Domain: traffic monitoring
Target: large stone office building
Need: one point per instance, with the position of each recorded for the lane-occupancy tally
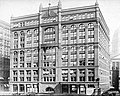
(4, 55)
(60, 50)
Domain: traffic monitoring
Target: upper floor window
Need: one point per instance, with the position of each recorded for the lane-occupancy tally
(73, 75)
(35, 32)
(64, 28)
(21, 53)
(90, 48)
(73, 28)
(51, 29)
(90, 25)
(90, 39)
(81, 26)
(91, 75)
(15, 35)
(82, 48)
(15, 53)
(22, 33)
(64, 74)
(15, 72)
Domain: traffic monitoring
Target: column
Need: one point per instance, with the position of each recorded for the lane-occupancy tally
(25, 42)
(86, 74)
(32, 74)
(69, 75)
(12, 41)
(18, 75)
(11, 65)
(58, 64)
(86, 47)
(78, 73)
(69, 88)
(11, 87)
(32, 37)
(25, 75)
(39, 47)
(25, 88)
(19, 39)
(59, 20)
(78, 89)
(18, 59)
(18, 91)
(69, 47)
(77, 45)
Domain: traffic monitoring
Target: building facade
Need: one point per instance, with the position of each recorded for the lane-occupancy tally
(60, 50)
(4, 55)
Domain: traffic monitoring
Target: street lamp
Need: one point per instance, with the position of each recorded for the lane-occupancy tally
(97, 80)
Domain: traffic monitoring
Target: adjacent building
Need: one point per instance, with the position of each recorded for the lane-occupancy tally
(115, 43)
(115, 72)
(4, 55)
(60, 50)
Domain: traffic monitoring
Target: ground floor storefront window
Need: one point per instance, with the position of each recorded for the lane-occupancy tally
(15, 88)
(74, 88)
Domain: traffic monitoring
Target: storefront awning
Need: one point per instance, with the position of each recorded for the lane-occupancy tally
(89, 91)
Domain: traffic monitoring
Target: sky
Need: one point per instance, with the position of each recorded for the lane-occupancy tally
(109, 8)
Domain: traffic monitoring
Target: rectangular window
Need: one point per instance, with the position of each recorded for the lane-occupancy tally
(22, 39)
(64, 74)
(82, 62)
(73, 75)
(81, 33)
(21, 65)
(81, 40)
(21, 58)
(91, 55)
(82, 75)
(82, 56)
(28, 64)
(15, 73)
(22, 88)
(65, 88)
(28, 78)
(90, 62)
(15, 88)
(22, 45)
(90, 32)
(35, 78)
(90, 48)
(14, 78)
(90, 39)
(21, 78)
(91, 75)
(28, 72)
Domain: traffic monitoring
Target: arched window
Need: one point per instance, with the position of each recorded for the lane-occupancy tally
(81, 26)
(64, 28)
(15, 35)
(35, 32)
(73, 27)
(50, 29)
(49, 89)
(90, 48)
(21, 52)
(90, 25)
(15, 53)
(22, 33)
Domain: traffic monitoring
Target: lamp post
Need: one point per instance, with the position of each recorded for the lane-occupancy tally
(97, 80)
